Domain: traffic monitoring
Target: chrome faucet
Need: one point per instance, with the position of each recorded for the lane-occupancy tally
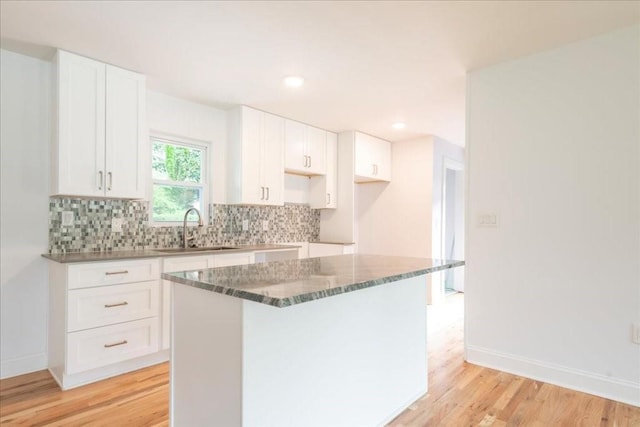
(186, 239)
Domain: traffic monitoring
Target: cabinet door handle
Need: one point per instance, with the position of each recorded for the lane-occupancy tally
(112, 273)
(328, 199)
(100, 175)
(267, 193)
(305, 161)
(110, 175)
(116, 305)
(123, 342)
(262, 196)
(309, 161)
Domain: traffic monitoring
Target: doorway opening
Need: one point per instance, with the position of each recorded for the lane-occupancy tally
(452, 225)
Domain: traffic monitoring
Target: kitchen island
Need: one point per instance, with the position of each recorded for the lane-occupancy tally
(337, 340)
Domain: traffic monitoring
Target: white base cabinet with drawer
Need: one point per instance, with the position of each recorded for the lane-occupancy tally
(104, 319)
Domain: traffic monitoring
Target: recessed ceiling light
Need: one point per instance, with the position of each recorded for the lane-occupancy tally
(293, 81)
(398, 125)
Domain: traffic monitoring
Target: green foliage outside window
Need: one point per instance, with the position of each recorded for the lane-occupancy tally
(175, 170)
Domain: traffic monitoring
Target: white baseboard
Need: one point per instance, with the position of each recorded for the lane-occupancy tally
(23, 365)
(610, 388)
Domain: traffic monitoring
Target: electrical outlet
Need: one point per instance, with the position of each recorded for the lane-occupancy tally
(245, 225)
(265, 225)
(67, 219)
(635, 333)
(116, 225)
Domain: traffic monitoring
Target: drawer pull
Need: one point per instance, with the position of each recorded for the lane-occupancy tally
(116, 305)
(111, 273)
(123, 342)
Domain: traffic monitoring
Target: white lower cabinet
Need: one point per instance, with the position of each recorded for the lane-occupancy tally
(328, 249)
(104, 319)
(97, 347)
(197, 262)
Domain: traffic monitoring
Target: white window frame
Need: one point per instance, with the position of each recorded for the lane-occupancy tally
(205, 147)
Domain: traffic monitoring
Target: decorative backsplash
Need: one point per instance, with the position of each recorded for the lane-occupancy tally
(92, 231)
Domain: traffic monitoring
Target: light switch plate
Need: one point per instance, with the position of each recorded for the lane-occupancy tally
(265, 225)
(245, 225)
(67, 219)
(488, 219)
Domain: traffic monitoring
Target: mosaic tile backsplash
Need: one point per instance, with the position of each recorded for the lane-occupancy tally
(91, 230)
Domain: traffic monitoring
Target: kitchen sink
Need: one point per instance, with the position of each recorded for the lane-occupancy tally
(201, 249)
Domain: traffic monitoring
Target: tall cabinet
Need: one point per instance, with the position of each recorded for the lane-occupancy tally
(100, 129)
(323, 190)
(256, 157)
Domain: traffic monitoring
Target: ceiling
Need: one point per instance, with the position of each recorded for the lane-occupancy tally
(366, 64)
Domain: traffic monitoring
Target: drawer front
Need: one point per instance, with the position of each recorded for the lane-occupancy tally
(107, 305)
(113, 273)
(98, 347)
(228, 260)
(171, 265)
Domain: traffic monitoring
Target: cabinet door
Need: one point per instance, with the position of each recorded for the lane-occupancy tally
(273, 160)
(295, 158)
(253, 191)
(332, 170)
(382, 159)
(79, 166)
(364, 164)
(316, 150)
(372, 159)
(125, 133)
(323, 189)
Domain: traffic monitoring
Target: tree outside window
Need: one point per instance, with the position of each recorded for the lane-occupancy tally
(178, 175)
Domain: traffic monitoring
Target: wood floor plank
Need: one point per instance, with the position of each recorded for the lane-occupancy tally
(460, 394)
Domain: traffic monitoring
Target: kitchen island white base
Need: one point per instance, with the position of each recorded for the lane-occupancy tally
(355, 359)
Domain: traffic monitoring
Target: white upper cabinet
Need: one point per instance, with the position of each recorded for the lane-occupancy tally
(256, 157)
(305, 149)
(323, 190)
(372, 159)
(100, 130)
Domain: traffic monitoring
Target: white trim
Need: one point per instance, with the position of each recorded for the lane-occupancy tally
(447, 164)
(206, 148)
(610, 388)
(23, 365)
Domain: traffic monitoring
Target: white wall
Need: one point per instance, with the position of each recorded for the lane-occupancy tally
(177, 117)
(24, 146)
(395, 218)
(554, 149)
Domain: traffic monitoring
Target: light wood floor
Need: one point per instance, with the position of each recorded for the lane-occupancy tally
(460, 394)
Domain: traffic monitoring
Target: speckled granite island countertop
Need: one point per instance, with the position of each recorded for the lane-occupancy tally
(287, 283)
(156, 253)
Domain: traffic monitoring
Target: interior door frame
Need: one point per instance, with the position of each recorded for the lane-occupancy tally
(447, 164)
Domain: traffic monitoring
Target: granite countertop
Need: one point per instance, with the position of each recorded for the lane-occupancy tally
(155, 253)
(286, 283)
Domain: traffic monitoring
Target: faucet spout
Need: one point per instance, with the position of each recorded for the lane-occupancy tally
(186, 239)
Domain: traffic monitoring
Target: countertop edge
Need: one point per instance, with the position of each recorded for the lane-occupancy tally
(83, 257)
(311, 296)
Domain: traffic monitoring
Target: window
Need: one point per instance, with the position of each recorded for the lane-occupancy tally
(179, 179)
